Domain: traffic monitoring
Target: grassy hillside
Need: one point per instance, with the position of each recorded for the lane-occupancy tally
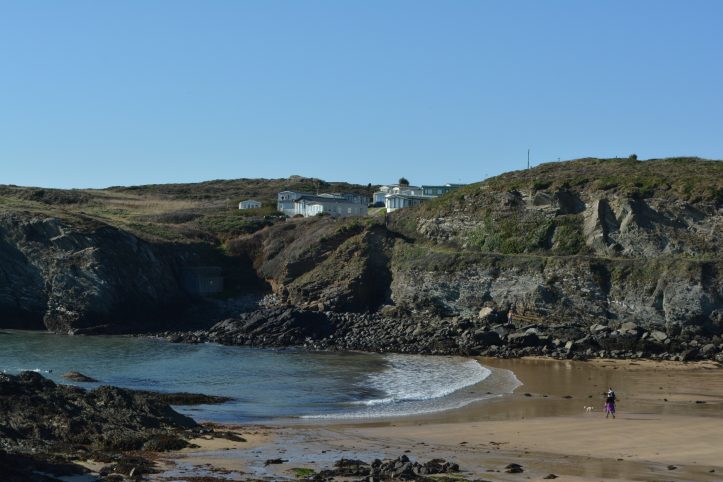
(684, 178)
(236, 190)
(205, 211)
(544, 209)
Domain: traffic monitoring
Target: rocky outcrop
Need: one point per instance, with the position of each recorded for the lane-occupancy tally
(615, 258)
(401, 468)
(491, 335)
(565, 247)
(323, 264)
(272, 327)
(38, 468)
(81, 276)
(675, 296)
(64, 279)
(78, 377)
(37, 413)
(599, 223)
(45, 428)
(651, 227)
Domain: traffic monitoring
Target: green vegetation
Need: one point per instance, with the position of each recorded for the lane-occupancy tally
(226, 224)
(154, 230)
(205, 211)
(234, 191)
(429, 257)
(512, 234)
(568, 237)
(302, 472)
(539, 210)
(689, 178)
(648, 272)
(345, 265)
(436, 258)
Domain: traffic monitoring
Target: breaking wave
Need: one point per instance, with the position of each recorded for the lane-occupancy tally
(416, 384)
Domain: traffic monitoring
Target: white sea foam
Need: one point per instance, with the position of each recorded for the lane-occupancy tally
(418, 378)
(415, 384)
(19, 370)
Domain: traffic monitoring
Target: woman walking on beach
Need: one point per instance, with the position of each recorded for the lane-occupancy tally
(610, 403)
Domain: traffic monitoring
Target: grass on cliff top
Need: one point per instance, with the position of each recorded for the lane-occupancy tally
(683, 178)
(237, 190)
(502, 226)
(203, 211)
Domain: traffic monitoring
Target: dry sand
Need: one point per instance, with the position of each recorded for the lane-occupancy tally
(662, 432)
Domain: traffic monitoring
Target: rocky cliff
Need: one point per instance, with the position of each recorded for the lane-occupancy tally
(589, 241)
(590, 256)
(80, 275)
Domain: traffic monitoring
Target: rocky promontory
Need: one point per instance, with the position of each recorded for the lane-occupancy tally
(36, 413)
(580, 259)
(45, 428)
(586, 258)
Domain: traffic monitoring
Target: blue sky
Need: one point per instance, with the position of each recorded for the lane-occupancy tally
(105, 93)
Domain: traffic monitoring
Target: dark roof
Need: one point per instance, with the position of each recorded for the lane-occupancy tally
(323, 199)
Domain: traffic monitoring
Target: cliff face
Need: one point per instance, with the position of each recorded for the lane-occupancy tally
(624, 253)
(633, 260)
(572, 243)
(61, 278)
(68, 276)
(568, 221)
(323, 264)
(668, 295)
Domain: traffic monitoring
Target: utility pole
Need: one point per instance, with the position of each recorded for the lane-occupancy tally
(528, 158)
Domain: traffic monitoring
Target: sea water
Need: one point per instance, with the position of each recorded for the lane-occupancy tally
(264, 384)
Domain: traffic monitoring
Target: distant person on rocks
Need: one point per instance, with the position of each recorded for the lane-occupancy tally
(509, 316)
(610, 400)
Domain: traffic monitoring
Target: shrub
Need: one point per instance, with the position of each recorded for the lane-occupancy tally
(568, 237)
(513, 234)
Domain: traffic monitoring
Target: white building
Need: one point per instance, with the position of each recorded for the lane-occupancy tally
(292, 203)
(398, 201)
(285, 201)
(380, 195)
(396, 196)
(249, 204)
(337, 206)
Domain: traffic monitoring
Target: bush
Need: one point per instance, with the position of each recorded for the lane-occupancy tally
(568, 238)
(512, 234)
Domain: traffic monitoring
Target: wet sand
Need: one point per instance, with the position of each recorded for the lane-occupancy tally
(669, 427)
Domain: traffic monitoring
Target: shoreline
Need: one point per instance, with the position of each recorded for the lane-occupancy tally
(669, 425)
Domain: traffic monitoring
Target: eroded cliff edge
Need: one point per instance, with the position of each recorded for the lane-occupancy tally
(74, 274)
(593, 257)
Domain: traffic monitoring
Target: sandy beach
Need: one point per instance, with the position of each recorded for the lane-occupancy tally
(669, 426)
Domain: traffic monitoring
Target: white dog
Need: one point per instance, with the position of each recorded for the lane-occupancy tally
(588, 409)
